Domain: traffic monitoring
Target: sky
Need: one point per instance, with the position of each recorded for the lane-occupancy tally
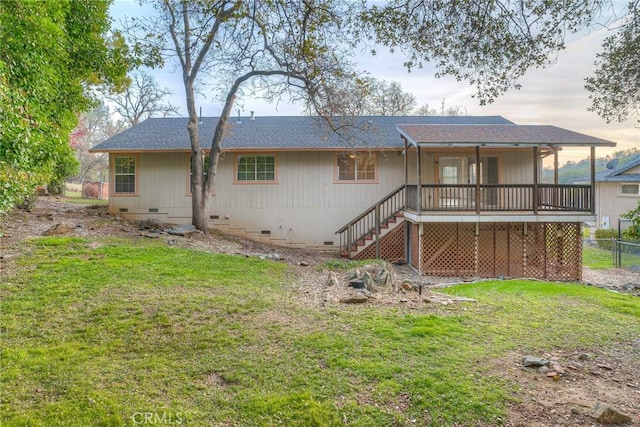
(554, 95)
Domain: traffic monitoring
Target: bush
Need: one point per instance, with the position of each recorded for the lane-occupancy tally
(604, 236)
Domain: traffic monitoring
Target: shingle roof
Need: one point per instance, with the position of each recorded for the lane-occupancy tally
(618, 175)
(496, 135)
(279, 132)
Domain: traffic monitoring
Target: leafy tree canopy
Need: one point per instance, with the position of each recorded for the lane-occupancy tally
(615, 86)
(489, 43)
(51, 50)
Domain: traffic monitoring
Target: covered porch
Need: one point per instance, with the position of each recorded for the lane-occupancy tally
(473, 204)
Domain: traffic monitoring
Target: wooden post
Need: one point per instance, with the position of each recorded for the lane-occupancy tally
(592, 198)
(555, 166)
(535, 180)
(478, 177)
(406, 161)
(419, 167)
(377, 227)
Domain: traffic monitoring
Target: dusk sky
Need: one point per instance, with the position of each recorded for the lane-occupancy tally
(551, 96)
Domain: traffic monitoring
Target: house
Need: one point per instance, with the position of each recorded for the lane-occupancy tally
(617, 192)
(452, 196)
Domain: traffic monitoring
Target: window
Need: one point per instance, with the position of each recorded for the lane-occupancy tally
(256, 168)
(125, 174)
(630, 189)
(356, 167)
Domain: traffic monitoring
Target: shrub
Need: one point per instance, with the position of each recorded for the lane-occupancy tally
(604, 236)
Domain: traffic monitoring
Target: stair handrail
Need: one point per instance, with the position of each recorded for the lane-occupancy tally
(372, 208)
(365, 230)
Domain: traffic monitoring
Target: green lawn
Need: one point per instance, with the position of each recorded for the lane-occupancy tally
(598, 258)
(139, 331)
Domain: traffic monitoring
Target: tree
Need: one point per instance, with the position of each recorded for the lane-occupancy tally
(633, 232)
(388, 99)
(50, 52)
(93, 127)
(615, 87)
(489, 43)
(453, 110)
(269, 48)
(142, 99)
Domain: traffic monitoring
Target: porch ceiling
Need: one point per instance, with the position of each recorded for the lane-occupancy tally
(497, 136)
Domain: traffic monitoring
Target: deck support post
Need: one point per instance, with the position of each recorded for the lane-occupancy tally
(535, 180)
(478, 178)
(419, 171)
(592, 201)
(377, 222)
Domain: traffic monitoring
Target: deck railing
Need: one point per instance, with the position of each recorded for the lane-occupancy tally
(500, 197)
(456, 198)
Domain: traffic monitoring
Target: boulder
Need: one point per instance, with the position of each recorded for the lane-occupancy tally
(354, 299)
(151, 224)
(182, 229)
(333, 280)
(607, 414)
(534, 362)
(58, 229)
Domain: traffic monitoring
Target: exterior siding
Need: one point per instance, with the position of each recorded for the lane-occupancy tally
(611, 203)
(306, 205)
(303, 207)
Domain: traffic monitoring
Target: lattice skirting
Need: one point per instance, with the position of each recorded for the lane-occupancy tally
(551, 251)
(391, 246)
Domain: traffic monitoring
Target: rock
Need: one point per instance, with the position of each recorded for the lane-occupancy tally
(629, 286)
(407, 285)
(555, 366)
(605, 367)
(543, 370)
(636, 345)
(182, 229)
(534, 362)
(333, 280)
(585, 356)
(356, 284)
(274, 256)
(553, 375)
(57, 230)
(606, 414)
(151, 224)
(383, 278)
(354, 299)
(367, 279)
(303, 263)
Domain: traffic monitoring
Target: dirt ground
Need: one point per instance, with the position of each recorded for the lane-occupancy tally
(588, 377)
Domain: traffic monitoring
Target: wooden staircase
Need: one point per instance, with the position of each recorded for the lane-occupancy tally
(373, 224)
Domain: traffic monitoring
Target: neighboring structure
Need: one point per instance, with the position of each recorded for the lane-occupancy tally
(455, 196)
(617, 192)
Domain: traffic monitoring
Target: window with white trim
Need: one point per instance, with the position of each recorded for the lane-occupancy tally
(256, 168)
(630, 189)
(124, 172)
(356, 167)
